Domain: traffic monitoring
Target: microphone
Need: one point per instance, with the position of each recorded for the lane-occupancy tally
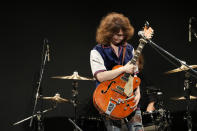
(195, 34)
(190, 27)
(48, 53)
(46, 41)
(141, 34)
(191, 31)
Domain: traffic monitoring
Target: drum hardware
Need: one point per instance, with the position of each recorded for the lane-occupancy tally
(96, 118)
(75, 77)
(56, 98)
(186, 68)
(38, 115)
(156, 120)
(74, 102)
(91, 122)
(187, 96)
(165, 118)
(151, 90)
(160, 118)
(76, 126)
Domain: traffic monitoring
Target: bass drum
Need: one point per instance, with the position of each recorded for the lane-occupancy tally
(91, 123)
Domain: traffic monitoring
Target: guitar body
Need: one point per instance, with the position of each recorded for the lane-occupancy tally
(114, 98)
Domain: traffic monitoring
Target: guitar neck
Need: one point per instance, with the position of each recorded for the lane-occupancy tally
(138, 51)
(133, 61)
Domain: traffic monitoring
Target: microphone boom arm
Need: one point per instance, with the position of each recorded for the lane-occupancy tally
(169, 54)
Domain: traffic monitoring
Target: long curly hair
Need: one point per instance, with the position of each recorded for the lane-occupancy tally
(141, 62)
(111, 24)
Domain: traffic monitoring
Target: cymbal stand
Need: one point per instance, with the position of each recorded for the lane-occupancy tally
(76, 126)
(75, 95)
(74, 101)
(187, 96)
(38, 115)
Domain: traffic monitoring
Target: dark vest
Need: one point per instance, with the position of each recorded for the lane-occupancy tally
(110, 58)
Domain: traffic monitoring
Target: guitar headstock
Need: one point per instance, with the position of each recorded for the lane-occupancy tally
(148, 31)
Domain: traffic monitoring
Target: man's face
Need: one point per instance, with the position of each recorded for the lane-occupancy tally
(117, 38)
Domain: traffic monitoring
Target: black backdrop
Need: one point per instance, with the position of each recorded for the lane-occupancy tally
(71, 29)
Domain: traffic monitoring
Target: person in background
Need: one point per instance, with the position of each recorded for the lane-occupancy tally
(148, 99)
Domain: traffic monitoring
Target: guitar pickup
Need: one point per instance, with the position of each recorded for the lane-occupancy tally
(119, 90)
(124, 78)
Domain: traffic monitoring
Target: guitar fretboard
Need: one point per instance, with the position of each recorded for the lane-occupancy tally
(136, 56)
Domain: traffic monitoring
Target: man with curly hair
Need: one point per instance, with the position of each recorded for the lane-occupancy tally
(113, 49)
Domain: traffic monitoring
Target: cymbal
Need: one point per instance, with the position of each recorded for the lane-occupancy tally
(74, 76)
(183, 98)
(182, 68)
(56, 98)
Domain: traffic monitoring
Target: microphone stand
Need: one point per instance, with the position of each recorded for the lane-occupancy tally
(45, 54)
(186, 88)
(172, 56)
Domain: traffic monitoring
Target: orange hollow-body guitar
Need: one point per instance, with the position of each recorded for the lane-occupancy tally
(111, 99)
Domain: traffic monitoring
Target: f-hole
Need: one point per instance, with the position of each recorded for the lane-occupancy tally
(107, 87)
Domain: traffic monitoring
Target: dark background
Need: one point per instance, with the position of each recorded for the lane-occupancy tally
(70, 28)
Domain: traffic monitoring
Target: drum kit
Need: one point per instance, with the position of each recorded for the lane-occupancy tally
(155, 120)
(160, 119)
(58, 99)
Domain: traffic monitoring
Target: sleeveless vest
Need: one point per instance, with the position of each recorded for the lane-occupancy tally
(111, 59)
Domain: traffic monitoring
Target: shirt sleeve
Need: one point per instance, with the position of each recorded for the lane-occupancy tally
(96, 62)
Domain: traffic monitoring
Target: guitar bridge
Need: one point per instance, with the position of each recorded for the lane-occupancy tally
(110, 108)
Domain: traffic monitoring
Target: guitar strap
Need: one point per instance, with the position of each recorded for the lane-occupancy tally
(124, 50)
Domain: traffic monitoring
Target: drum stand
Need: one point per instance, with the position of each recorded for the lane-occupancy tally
(38, 115)
(187, 96)
(74, 101)
(163, 121)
